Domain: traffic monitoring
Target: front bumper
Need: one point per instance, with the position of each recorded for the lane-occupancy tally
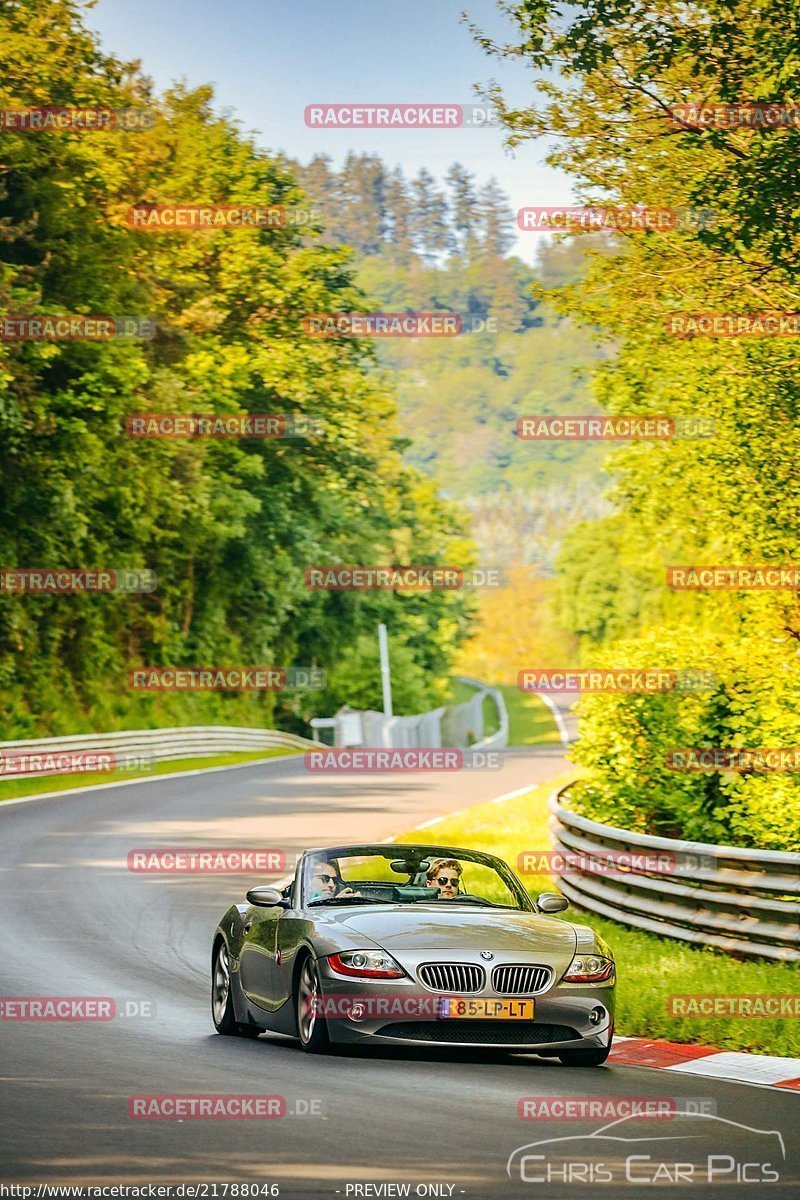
(402, 1011)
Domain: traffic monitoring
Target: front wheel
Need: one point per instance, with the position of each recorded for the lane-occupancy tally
(312, 1029)
(222, 1001)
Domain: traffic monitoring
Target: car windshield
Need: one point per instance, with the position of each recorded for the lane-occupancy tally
(409, 875)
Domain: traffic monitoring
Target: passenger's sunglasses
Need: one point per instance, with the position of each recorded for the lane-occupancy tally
(443, 881)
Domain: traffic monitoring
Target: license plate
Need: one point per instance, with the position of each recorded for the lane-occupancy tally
(460, 1008)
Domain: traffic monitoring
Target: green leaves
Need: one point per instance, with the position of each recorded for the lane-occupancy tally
(229, 526)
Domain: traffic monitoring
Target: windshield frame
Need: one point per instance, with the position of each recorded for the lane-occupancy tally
(394, 850)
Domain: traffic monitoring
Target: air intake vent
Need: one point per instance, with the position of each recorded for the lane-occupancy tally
(452, 977)
(520, 980)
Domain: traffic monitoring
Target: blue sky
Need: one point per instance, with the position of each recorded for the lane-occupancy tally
(268, 59)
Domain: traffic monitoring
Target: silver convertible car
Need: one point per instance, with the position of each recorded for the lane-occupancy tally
(413, 944)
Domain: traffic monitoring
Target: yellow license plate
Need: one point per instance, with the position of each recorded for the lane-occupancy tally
(461, 1008)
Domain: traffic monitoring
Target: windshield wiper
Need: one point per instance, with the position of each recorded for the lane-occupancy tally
(347, 900)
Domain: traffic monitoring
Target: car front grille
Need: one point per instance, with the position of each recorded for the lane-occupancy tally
(452, 977)
(480, 1033)
(518, 979)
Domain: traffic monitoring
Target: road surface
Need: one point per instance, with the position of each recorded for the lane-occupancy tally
(76, 922)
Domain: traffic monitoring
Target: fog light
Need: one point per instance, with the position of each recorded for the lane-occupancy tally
(357, 1012)
(597, 1014)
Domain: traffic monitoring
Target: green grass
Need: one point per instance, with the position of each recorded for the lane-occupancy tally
(530, 720)
(650, 968)
(11, 789)
(459, 693)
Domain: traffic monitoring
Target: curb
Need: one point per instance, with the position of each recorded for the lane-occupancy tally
(762, 1069)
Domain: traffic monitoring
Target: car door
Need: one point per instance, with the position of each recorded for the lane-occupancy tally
(257, 958)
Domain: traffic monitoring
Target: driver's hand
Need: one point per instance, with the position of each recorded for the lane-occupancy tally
(347, 891)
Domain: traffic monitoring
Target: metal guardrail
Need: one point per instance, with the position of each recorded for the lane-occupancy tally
(734, 898)
(148, 745)
(457, 725)
(499, 739)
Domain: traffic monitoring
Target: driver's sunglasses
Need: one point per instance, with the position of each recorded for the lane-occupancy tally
(443, 881)
(326, 879)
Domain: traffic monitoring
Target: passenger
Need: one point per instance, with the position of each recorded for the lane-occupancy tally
(327, 883)
(444, 874)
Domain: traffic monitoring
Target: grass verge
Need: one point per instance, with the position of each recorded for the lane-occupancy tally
(11, 789)
(530, 722)
(650, 968)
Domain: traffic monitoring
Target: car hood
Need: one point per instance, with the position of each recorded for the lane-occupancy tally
(423, 929)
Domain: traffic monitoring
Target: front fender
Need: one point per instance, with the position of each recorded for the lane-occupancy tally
(231, 928)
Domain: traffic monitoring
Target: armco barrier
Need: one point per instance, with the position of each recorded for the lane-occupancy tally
(459, 725)
(499, 739)
(190, 741)
(743, 901)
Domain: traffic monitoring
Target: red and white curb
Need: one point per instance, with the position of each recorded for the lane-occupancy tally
(707, 1060)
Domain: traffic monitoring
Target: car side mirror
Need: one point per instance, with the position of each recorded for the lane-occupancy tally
(551, 902)
(265, 897)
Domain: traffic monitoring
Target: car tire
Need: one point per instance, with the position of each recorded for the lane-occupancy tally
(587, 1058)
(222, 1012)
(312, 1028)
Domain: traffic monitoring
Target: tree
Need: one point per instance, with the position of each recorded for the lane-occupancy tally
(464, 209)
(497, 221)
(429, 217)
(610, 76)
(228, 526)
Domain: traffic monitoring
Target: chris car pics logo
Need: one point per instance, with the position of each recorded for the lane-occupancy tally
(698, 1149)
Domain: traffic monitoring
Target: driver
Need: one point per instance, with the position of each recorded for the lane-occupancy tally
(327, 883)
(444, 874)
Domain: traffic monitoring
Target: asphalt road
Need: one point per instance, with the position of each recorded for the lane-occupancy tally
(76, 922)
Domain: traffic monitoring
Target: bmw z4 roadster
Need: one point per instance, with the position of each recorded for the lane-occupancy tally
(417, 944)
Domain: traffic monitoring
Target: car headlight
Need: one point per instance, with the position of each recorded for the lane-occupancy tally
(589, 968)
(366, 964)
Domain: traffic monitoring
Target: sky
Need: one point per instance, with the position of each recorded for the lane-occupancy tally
(268, 59)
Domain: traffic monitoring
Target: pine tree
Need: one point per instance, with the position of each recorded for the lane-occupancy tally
(496, 220)
(464, 208)
(429, 218)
